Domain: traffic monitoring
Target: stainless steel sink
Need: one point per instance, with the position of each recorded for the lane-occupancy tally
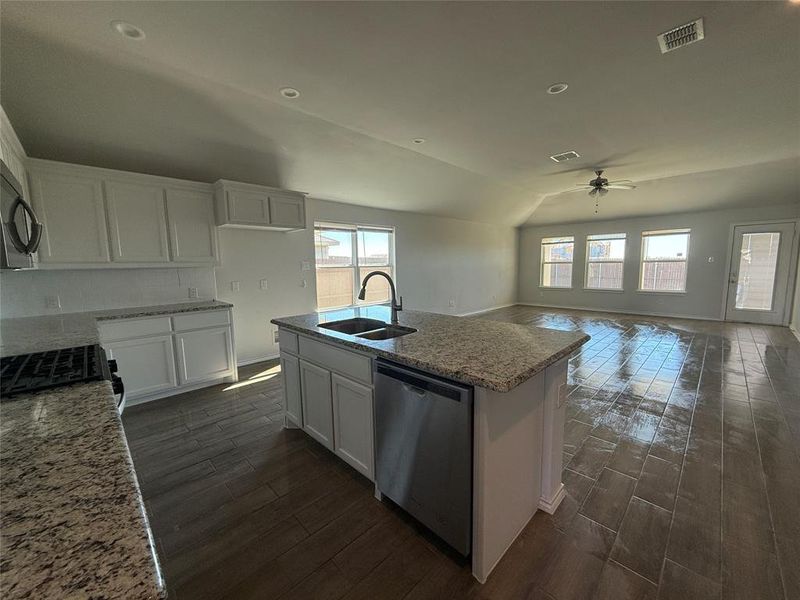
(354, 326)
(387, 333)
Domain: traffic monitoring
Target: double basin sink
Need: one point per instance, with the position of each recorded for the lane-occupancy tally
(368, 329)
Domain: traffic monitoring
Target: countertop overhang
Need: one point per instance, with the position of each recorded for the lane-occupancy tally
(490, 354)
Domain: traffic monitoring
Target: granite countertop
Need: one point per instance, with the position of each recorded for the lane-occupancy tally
(72, 520)
(51, 332)
(490, 354)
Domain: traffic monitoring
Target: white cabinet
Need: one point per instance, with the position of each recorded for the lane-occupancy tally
(146, 365)
(315, 384)
(99, 217)
(137, 221)
(352, 424)
(260, 207)
(286, 210)
(290, 367)
(192, 229)
(204, 354)
(328, 392)
(166, 354)
(72, 209)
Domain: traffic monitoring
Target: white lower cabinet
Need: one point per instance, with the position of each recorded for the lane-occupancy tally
(352, 424)
(327, 393)
(163, 355)
(290, 367)
(315, 384)
(204, 354)
(146, 365)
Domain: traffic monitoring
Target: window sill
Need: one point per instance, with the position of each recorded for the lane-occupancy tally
(662, 293)
(552, 287)
(612, 290)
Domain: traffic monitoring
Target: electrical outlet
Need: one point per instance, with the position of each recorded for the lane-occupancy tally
(711, 259)
(275, 336)
(305, 265)
(263, 284)
(52, 301)
(234, 286)
(452, 303)
(192, 292)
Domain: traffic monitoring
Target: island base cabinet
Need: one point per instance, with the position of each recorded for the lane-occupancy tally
(290, 367)
(315, 384)
(147, 365)
(352, 424)
(204, 355)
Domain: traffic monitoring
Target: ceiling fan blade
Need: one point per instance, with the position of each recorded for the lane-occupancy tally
(594, 191)
(620, 181)
(620, 186)
(603, 191)
(583, 186)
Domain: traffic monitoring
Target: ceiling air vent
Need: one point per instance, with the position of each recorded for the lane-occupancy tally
(681, 36)
(565, 156)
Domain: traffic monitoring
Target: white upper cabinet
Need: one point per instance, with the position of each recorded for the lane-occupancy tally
(94, 215)
(192, 228)
(258, 207)
(137, 221)
(71, 207)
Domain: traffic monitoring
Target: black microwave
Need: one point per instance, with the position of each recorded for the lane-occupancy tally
(21, 230)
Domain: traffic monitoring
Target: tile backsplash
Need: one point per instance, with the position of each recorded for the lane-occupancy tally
(26, 293)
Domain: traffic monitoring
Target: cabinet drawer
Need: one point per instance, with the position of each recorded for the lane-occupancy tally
(356, 366)
(133, 328)
(199, 320)
(287, 341)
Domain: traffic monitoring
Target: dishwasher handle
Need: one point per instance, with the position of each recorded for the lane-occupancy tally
(420, 384)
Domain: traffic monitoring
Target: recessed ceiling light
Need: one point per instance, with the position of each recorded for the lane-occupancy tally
(418, 140)
(557, 88)
(128, 30)
(289, 92)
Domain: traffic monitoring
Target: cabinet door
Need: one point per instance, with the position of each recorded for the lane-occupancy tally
(72, 210)
(137, 221)
(204, 354)
(248, 206)
(192, 230)
(287, 211)
(315, 383)
(146, 365)
(352, 424)
(290, 367)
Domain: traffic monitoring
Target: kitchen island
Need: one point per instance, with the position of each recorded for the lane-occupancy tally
(518, 378)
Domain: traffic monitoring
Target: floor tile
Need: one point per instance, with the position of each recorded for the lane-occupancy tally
(609, 498)
(642, 539)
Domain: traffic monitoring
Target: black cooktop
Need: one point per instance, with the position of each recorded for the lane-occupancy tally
(43, 370)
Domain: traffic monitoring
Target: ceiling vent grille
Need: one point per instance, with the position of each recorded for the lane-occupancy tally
(564, 156)
(681, 36)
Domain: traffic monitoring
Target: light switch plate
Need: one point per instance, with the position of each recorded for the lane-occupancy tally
(275, 336)
(192, 292)
(263, 284)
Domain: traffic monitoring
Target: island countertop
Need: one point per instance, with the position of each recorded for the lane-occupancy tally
(490, 354)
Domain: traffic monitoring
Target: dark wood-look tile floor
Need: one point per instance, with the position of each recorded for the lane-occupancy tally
(682, 466)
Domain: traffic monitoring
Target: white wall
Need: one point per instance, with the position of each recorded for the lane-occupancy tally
(23, 293)
(706, 281)
(437, 259)
(795, 324)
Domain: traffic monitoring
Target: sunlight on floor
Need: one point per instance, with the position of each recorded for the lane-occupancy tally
(257, 378)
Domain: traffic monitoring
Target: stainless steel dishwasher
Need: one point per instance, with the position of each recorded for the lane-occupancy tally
(423, 439)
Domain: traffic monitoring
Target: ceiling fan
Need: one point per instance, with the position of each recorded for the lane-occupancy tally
(601, 185)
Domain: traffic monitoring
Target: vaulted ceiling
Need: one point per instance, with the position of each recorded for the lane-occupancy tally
(715, 124)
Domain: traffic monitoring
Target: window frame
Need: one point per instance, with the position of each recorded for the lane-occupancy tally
(558, 239)
(354, 228)
(599, 237)
(642, 260)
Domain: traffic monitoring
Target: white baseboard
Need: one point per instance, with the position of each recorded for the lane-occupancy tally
(795, 332)
(175, 391)
(550, 505)
(250, 361)
(483, 310)
(622, 312)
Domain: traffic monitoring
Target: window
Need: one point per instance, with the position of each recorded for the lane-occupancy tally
(664, 255)
(605, 256)
(344, 255)
(557, 262)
